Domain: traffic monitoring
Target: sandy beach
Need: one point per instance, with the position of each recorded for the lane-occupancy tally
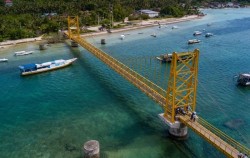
(137, 25)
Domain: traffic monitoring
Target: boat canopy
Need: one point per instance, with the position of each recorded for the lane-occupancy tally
(245, 75)
(28, 67)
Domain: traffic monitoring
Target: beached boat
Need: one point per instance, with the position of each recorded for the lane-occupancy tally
(193, 41)
(3, 60)
(29, 69)
(20, 53)
(243, 79)
(196, 33)
(208, 35)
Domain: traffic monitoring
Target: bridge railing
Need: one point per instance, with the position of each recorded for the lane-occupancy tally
(224, 136)
(122, 68)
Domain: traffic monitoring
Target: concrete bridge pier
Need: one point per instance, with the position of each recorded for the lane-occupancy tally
(74, 44)
(177, 129)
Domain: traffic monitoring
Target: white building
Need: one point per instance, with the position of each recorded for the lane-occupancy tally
(8, 3)
(150, 13)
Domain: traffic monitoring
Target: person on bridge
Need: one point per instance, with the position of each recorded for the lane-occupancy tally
(193, 116)
(240, 155)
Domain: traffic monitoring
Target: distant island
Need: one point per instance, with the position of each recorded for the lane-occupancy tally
(29, 18)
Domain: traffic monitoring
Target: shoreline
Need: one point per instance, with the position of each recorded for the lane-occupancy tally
(10, 43)
(139, 25)
(143, 24)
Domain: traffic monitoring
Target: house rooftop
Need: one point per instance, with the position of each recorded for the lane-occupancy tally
(148, 11)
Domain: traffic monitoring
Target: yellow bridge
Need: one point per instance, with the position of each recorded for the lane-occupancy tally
(180, 93)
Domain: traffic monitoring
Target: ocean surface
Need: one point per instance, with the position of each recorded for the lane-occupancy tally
(51, 115)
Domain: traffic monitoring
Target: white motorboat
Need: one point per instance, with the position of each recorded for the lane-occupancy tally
(122, 37)
(20, 53)
(3, 60)
(153, 35)
(193, 41)
(196, 33)
(29, 69)
(175, 27)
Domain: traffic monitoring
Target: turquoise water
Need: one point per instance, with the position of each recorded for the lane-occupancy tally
(53, 114)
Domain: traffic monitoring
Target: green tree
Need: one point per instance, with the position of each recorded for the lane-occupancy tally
(119, 13)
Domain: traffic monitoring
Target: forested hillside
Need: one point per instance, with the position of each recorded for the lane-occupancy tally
(30, 18)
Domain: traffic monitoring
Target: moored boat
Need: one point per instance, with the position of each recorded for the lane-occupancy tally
(243, 79)
(20, 53)
(193, 41)
(175, 27)
(196, 33)
(168, 58)
(165, 58)
(122, 37)
(3, 60)
(153, 35)
(208, 35)
(29, 69)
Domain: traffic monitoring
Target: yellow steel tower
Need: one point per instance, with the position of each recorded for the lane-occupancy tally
(182, 83)
(73, 27)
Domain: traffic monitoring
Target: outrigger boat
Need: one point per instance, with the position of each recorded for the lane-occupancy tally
(243, 79)
(29, 69)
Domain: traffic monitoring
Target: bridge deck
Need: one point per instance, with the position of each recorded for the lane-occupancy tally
(222, 142)
(213, 139)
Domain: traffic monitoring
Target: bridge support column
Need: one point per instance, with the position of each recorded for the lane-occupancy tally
(176, 129)
(74, 44)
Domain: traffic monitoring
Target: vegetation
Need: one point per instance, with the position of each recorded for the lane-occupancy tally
(30, 18)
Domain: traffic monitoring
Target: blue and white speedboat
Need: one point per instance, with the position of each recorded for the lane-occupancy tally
(29, 69)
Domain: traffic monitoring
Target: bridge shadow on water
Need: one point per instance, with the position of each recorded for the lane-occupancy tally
(144, 119)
